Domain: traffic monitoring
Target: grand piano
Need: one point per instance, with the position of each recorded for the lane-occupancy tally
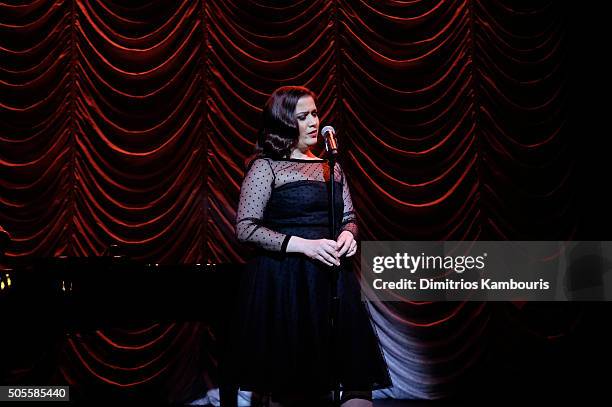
(76, 294)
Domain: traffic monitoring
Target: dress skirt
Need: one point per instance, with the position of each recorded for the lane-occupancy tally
(281, 335)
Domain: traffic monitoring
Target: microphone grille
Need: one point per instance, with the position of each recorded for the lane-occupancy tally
(326, 129)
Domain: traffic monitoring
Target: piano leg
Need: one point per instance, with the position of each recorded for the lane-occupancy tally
(228, 395)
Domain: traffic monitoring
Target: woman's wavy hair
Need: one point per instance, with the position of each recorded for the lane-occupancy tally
(279, 132)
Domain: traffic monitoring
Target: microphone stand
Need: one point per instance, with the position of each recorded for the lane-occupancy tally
(335, 274)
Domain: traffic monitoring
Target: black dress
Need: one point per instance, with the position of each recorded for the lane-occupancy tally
(281, 335)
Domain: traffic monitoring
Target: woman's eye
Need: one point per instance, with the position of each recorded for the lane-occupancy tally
(314, 114)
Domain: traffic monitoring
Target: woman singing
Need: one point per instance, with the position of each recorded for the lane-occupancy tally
(281, 342)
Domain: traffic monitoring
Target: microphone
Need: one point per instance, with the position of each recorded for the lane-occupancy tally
(329, 136)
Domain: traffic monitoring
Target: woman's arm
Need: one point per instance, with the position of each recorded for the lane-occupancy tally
(347, 238)
(349, 218)
(255, 192)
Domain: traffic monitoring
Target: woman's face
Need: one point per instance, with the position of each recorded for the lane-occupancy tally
(308, 122)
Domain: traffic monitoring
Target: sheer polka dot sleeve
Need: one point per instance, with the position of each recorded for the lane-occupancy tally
(254, 195)
(349, 218)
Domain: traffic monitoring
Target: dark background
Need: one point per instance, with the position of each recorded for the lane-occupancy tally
(84, 167)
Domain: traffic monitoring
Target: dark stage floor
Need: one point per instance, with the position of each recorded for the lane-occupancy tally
(415, 403)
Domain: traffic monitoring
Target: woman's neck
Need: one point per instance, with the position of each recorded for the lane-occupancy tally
(297, 153)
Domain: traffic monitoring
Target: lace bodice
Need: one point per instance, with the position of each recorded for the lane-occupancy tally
(289, 192)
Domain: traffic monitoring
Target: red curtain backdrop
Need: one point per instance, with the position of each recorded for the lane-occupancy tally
(130, 124)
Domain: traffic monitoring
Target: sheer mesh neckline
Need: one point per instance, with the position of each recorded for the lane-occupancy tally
(302, 159)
